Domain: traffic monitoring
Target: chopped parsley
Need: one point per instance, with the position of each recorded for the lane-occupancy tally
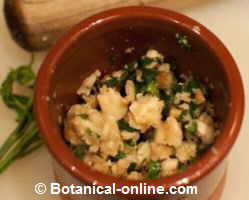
(130, 142)
(167, 100)
(144, 61)
(192, 128)
(182, 40)
(89, 132)
(149, 85)
(111, 82)
(153, 169)
(152, 88)
(83, 116)
(123, 125)
(149, 75)
(176, 88)
(194, 84)
(132, 167)
(120, 155)
(192, 109)
(182, 167)
(164, 96)
(80, 151)
(182, 115)
(165, 112)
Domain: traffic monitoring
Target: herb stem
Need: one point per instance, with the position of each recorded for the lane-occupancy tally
(36, 145)
(18, 148)
(24, 139)
(14, 136)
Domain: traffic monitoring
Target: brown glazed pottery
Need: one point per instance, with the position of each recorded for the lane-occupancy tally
(99, 42)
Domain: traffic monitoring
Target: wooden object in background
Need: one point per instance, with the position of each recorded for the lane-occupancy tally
(36, 24)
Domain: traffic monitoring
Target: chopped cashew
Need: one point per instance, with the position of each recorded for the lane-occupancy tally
(88, 83)
(165, 79)
(145, 112)
(130, 91)
(169, 133)
(112, 103)
(169, 166)
(160, 152)
(199, 96)
(186, 151)
(111, 141)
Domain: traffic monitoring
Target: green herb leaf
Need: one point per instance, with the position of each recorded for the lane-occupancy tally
(19, 146)
(111, 82)
(202, 148)
(84, 116)
(152, 88)
(192, 109)
(24, 75)
(182, 115)
(123, 125)
(144, 61)
(154, 169)
(194, 84)
(182, 167)
(80, 151)
(130, 67)
(128, 74)
(25, 138)
(149, 75)
(167, 101)
(130, 143)
(164, 96)
(182, 40)
(119, 156)
(165, 112)
(89, 132)
(176, 88)
(192, 128)
(149, 85)
(132, 167)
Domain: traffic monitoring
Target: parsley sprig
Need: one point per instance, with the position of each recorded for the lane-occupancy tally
(182, 40)
(24, 139)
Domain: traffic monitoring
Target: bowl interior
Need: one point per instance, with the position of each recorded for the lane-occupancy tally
(104, 49)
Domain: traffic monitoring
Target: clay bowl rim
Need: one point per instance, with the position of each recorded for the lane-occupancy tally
(195, 172)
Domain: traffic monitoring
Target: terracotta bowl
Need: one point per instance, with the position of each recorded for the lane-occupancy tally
(99, 42)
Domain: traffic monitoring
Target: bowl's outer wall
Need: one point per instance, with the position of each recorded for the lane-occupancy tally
(100, 43)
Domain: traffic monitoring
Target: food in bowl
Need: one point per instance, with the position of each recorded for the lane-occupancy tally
(143, 121)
